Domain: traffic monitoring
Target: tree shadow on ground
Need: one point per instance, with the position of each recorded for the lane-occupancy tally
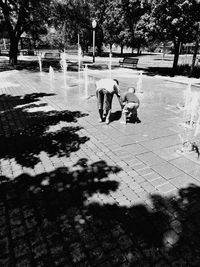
(38, 131)
(44, 220)
(33, 65)
(48, 220)
(163, 59)
(163, 71)
(168, 235)
(8, 102)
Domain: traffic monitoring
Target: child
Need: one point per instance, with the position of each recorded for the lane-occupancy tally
(130, 104)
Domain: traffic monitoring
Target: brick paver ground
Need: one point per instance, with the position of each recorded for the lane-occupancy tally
(75, 192)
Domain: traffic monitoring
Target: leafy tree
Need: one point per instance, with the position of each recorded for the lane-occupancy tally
(123, 38)
(21, 16)
(133, 12)
(174, 21)
(114, 26)
(141, 36)
(70, 18)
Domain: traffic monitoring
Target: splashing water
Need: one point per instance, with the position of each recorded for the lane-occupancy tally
(64, 66)
(40, 62)
(110, 65)
(51, 77)
(139, 84)
(86, 81)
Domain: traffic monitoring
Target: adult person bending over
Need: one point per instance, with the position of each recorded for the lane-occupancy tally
(105, 89)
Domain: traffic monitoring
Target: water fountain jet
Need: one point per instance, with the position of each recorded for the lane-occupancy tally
(110, 65)
(40, 62)
(139, 83)
(86, 80)
(64, 66)
(51, 77)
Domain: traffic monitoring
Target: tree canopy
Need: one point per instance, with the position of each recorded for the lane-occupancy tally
(133, 23)
(174, 21)
(22, 16)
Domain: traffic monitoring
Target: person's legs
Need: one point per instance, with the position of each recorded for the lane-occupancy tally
(108, 105)
(100, 100)
(133, 110)
(108, 117)
(129, 110)
(100, 115)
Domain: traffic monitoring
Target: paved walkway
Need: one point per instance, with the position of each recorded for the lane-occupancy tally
(75, 192)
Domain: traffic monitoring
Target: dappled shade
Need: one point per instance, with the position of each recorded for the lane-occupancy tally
(35, 135)
(9, 102)
(63, 188)
(62, 227)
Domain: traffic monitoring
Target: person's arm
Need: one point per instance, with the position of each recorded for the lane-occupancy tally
(117, 90)
(122, 100)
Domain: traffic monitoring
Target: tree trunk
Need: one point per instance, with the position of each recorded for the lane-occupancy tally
(99, 49)
(110, 48)
(86, 48)
(164, 50)
(176, 56)
(13, 51)
(196, 48)
(122, 47)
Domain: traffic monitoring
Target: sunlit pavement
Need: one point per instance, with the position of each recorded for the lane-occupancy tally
(76, 192)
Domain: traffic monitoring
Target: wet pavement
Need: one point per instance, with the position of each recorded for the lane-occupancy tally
(76, 192)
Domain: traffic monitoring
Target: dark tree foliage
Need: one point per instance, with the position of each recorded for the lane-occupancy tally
(22, 16)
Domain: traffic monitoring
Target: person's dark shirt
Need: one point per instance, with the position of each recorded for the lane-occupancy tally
(130, 98)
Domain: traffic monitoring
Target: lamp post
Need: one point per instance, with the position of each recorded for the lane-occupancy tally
(94, 24)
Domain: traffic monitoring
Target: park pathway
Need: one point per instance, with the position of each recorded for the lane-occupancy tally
(75, 192)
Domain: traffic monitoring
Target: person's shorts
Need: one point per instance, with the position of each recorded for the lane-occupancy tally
(130, 107)
(104, 99)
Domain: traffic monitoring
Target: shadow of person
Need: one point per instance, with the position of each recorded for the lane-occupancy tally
(115, 116)
(133, 119)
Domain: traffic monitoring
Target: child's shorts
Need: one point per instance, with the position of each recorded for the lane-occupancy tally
(130, 107)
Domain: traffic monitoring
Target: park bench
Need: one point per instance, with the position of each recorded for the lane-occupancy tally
(27, 52)
(51, 56)
(4, 52)
(128, 62)
(51, 59)
(72, 52)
